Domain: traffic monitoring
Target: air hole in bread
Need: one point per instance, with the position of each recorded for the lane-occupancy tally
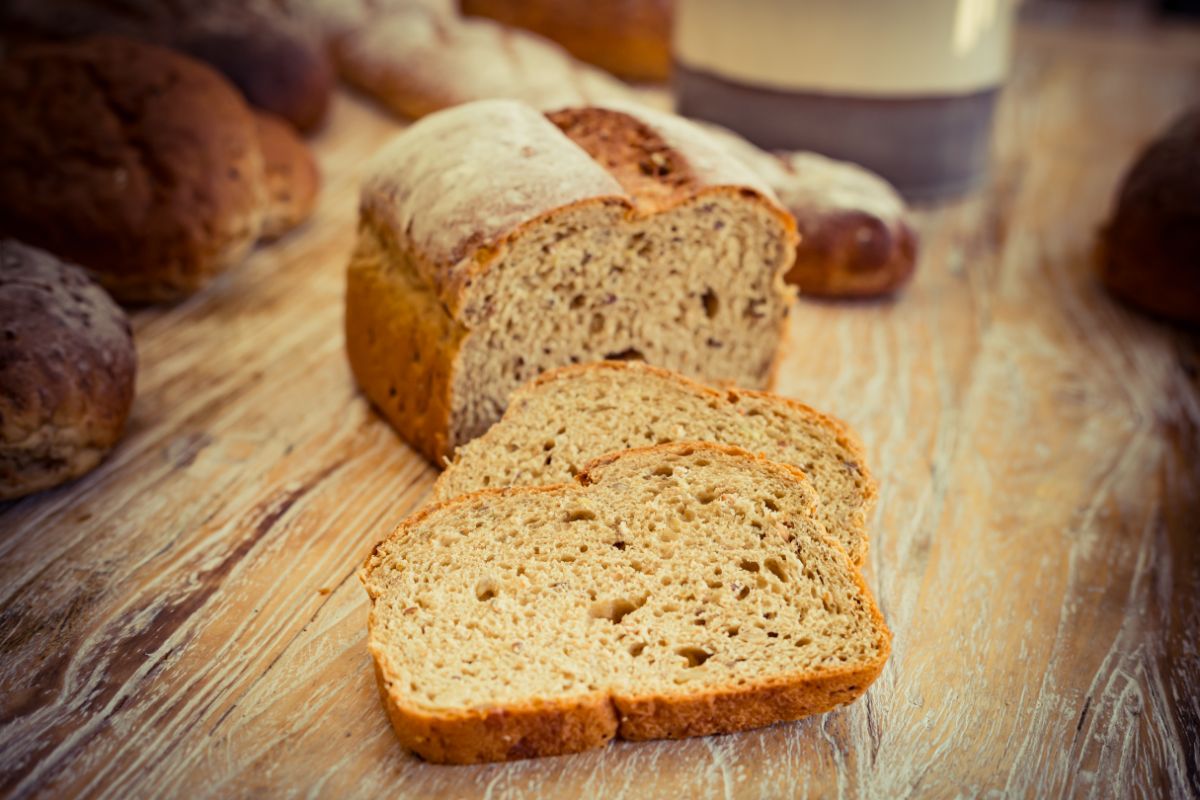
(803, 641)
(711, 303)
(732, 631)
(742, 591)
(637, 648)
(628, 354)
(695, 656)
(577, 301)
(486, 589)
(775, 567)
(707, 496)
(664, 470)
(615, 610)
(748, 565)
(579, 514)
(772, 635)
(771, 504)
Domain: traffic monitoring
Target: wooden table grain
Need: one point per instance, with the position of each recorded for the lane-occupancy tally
(186, 621)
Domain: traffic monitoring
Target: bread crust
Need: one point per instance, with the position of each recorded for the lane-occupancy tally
(67, 371)
(552, 728)
(451, 252)
(139, 164)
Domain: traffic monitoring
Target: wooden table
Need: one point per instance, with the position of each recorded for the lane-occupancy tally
(187, 620)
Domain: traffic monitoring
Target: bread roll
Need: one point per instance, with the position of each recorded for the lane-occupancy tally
(136, 162)
(278, 64)
(67, 371)
(1150, 250)
(629, 38)
(292, 177)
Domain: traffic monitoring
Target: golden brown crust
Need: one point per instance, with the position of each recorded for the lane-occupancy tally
(500, 733)
(629, 38)
(549, 728)
(290, 171)
(401, 344)
(139, 164)
(67, 371)
(852, 254)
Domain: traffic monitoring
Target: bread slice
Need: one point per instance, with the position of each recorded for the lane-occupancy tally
(560, 421)
(679, 590)
(496, 243)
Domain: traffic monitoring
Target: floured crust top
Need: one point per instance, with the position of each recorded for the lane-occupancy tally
(456, 185)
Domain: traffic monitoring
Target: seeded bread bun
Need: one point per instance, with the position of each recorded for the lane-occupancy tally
(67, 371)
(138, 163)
(1150, 250)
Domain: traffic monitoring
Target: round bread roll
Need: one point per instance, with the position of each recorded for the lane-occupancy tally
(67, 371)
(1150, 250)
(629, 38)
(278, 65)
(292, 177)
(855, 240)
(134, 161)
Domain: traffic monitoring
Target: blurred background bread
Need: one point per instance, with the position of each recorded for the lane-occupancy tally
(1150, 249)
(138, 163)
(629, 38)
(276, 63)
(67, 371)
(292, 177)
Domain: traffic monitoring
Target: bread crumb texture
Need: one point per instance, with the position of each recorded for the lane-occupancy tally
(680, 590)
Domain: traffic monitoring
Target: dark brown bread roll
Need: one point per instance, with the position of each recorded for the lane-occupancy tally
(273, 60)
(292, 177)
(136, 162)
(1150, 250)
(629, 38)
(67, 371)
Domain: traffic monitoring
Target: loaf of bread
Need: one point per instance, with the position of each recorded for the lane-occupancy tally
(277, 64)
(291, 175)
(138, 163)
(1149, 252)
(680, 590)
(417, 59)
(496, 243)
(568, 416)
(629, 38)
(67, 371)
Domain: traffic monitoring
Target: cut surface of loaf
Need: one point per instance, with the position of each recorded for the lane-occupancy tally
(681, 590)
(496, 242)
(558, 422)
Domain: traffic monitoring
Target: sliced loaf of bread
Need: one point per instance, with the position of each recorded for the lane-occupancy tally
(679, 590)
(563, 419)
(496, 243)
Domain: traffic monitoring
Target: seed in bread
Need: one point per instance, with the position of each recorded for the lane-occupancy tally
(558, 422)
(67, 371)
(135, 162)
(680, 590)
(496, 243)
